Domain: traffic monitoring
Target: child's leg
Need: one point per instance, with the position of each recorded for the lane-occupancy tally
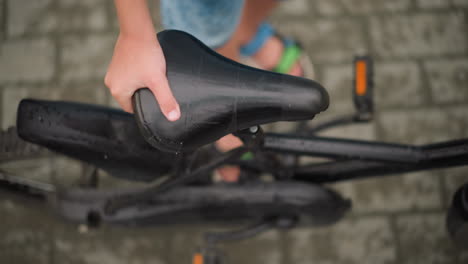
(254, 13)
(211, 21)
(269, 55)
(226, 25)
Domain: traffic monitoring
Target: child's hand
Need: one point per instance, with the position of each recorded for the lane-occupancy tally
(139, 62)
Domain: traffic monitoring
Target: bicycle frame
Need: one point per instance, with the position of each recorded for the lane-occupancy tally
(347, 160)
(358, 158)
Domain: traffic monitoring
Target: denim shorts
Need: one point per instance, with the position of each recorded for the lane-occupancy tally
(211, 21)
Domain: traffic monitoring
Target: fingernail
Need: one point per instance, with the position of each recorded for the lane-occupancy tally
(173, 115)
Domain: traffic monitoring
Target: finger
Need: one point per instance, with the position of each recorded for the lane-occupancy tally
(124, 100)
(166, 100)
(120, 95)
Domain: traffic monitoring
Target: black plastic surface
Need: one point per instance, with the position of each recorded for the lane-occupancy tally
(218, 96)
(222, 203)
(105, 137)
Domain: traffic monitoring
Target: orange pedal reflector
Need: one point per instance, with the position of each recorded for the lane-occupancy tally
(361, 77)
(197, 258)
(363, 87)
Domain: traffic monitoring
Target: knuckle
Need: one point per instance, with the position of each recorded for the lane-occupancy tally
(153, 81)
(107, 81)
(114, 92)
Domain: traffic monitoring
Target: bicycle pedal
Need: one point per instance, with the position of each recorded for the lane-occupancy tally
(363, 88)
(208, 256)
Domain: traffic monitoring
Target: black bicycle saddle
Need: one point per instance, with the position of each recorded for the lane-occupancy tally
(218, 96)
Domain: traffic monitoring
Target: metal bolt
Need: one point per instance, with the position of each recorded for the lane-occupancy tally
(253, 129)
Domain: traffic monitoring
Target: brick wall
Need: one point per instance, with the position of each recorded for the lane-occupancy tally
(59, 49)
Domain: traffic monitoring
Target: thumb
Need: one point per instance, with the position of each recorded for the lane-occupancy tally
(166, 100)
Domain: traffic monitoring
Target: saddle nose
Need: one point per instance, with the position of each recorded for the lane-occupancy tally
(218, 96)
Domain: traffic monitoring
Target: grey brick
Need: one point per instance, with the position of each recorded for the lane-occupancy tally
(66, 171)
(327, 40)
(339, 7)
(11, 98)
(25, 231)
(398, 84)
(79, 4)
(93, 19)
(419, 35)
(265, 248)
(113, 103)
(423, 126)
(433, 3)
(110, 245)
(27, 60)
(460, 3)
(393, 193)
(363, 240)
(295, 7)
(463, 257)
(83, 15)
(39, 169)
(113, 16)
(93, 92)
(84, 92)
(86, 58)
(355, 131)
(448, 80)
(2, 19)
(26, 16)
(338, 81)
(183, 243)
(423, 239)
(106, 180)
(454, 178)
(281, 127)
(1, 107)
(44, 17)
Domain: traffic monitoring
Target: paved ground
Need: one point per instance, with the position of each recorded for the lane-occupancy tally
(59, 49)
